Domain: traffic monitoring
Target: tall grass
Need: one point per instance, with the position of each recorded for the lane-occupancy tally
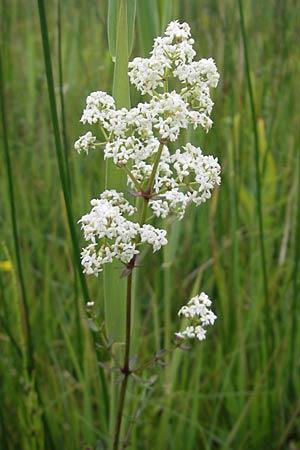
(238, 390)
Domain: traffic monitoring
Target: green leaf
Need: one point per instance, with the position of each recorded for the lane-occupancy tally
(121, 91)
(114, 285)
(148, 20)
(112, 25)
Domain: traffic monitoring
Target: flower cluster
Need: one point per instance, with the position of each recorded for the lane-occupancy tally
(138, 140)
(183, 177)
(112, 235)
(85, 142)
(97, 104)
(172, 57)
(198, 313)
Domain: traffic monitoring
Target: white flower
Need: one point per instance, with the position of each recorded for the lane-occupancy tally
(173, 55)
(141, 171)
(159, 207)
(192, 332)
(146, 75)
(172, 114)
(90, 304)
(198, 312)
(97, 105)
(183, 177)
(140, 120)
(131, 148)
(205, 169)
(115, 122)
(153, 236)
(178, 31)
(121, 150)
(164, 178)
(124, 251)
(85, 142)
(112, 235)
(189, 332)
(92, 263)
(175, 48)
(173, 201)
(199, 72)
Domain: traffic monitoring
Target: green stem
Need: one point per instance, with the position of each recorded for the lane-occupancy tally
(180, 185)
(132, 177)
(155, 166)
(125, 369)
(150, 186)
(61, 95)
(166, 81)
(128, 322)
(144, 213)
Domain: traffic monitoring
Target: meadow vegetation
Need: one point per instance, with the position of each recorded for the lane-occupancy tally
(237, 390)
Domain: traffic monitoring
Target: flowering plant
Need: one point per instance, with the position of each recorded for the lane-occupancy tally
(168, 181)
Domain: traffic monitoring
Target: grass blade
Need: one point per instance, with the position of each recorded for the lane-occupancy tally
(61, 96)
(58, 145)
(25, 307)
(113, 25)
(114, 286)
(121, 91)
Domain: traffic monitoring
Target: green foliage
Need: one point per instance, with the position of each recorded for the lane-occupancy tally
(234, 391)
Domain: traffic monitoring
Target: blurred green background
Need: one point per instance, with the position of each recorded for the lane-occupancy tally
(240, 388)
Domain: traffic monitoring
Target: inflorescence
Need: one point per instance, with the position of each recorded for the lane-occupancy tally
(138, 140)
(199, 315)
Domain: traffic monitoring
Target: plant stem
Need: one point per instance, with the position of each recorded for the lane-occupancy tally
(125, 370)
(132, 177)
(128, 322)
(155, 166)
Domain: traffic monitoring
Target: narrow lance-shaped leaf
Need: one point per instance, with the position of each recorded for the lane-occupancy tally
(114, 285)
(112, 25)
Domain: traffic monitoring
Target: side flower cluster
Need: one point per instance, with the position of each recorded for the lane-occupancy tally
(183, 177)
(112, 235)
(199, 314)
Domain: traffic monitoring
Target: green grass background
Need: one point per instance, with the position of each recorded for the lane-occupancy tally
(240, 388)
